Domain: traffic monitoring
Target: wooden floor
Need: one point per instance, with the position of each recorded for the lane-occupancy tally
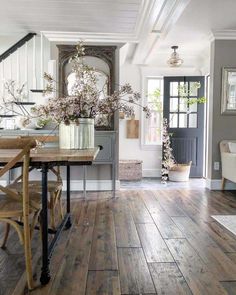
(143, 242)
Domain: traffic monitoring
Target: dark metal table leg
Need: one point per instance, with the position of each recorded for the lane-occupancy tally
(45, 274)
(68, 223)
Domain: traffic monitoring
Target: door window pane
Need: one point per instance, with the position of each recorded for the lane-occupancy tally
(174, 104)
(174, 89)
(183, 105)
(192, 121)
(193, 107)
(193, 89)
(183, 121)
(173, 119)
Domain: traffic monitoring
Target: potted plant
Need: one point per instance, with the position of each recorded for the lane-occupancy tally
(76, 112)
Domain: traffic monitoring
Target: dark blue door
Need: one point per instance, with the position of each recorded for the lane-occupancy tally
(186, 121)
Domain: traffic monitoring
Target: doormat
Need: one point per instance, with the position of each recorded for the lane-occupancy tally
(228, 221)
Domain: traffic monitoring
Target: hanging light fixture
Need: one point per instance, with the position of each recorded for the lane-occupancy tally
(175, 60)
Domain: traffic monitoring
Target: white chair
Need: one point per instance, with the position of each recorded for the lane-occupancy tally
(228, 162)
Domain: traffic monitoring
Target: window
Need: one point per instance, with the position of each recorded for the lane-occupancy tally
(154, 99)
(183, 106)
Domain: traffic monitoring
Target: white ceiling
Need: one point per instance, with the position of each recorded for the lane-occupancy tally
(98, 16)
(150, 27)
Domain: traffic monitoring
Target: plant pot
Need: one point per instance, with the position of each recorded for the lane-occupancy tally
(77, 136)
(180, 172)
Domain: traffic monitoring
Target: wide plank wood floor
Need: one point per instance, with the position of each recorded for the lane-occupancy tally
(142, 242)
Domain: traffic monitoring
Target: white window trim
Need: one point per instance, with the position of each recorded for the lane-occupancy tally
(145, 146)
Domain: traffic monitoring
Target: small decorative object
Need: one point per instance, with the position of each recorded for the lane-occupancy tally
(132, 128)
(180, 172)
(228, 100)
(76, 112)
(175, 60)
(130, 169)
(25, 122)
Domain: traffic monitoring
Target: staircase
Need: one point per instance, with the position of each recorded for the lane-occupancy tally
(25, 62)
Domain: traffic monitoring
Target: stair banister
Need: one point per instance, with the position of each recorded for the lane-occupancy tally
(17, 45)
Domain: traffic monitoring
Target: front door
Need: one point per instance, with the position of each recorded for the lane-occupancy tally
(186, 120)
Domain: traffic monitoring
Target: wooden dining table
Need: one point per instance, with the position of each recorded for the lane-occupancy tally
(45, 158)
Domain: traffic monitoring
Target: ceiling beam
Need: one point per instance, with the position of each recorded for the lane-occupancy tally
(161, 17)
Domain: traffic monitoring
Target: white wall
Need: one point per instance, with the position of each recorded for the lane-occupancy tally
(131, 148)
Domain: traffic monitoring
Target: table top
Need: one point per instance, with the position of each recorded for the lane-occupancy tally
(47, 154)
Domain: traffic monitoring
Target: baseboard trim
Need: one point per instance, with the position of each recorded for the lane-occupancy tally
(91, 185)
(215, 184)
(152, 173)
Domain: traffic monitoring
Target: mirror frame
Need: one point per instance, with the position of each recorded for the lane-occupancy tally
(106, 53)
(225, 91)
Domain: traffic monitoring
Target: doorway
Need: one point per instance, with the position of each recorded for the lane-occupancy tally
(186, 120)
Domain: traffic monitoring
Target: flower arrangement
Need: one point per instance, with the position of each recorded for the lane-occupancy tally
(84, 99)
(168, 160)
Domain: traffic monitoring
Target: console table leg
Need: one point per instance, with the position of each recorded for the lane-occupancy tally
(84, 180)
(45, 274)
(68, 223)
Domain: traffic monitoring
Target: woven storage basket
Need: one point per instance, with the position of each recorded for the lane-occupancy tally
(130, 170)
(180, 172)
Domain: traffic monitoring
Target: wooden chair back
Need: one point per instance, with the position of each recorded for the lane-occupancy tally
(24, 146)
(23, 155)
(46, 139)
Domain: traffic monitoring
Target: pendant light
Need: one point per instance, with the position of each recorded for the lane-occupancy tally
(175, 60)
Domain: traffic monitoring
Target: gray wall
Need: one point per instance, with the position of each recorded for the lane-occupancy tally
(223, 54)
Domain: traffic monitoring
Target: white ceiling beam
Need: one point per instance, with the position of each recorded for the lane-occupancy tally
(145, 35)
(163, 16)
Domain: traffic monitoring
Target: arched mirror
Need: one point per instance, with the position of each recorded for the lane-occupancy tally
(101, 59)
(102, 83)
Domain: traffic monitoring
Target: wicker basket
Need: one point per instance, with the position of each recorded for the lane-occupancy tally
(180, 172)
(130, 170)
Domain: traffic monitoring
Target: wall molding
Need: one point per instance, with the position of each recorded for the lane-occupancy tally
(55, 36)
(215, 184)
(222, 35)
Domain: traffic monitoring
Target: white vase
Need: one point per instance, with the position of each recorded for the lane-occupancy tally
(77, 136)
